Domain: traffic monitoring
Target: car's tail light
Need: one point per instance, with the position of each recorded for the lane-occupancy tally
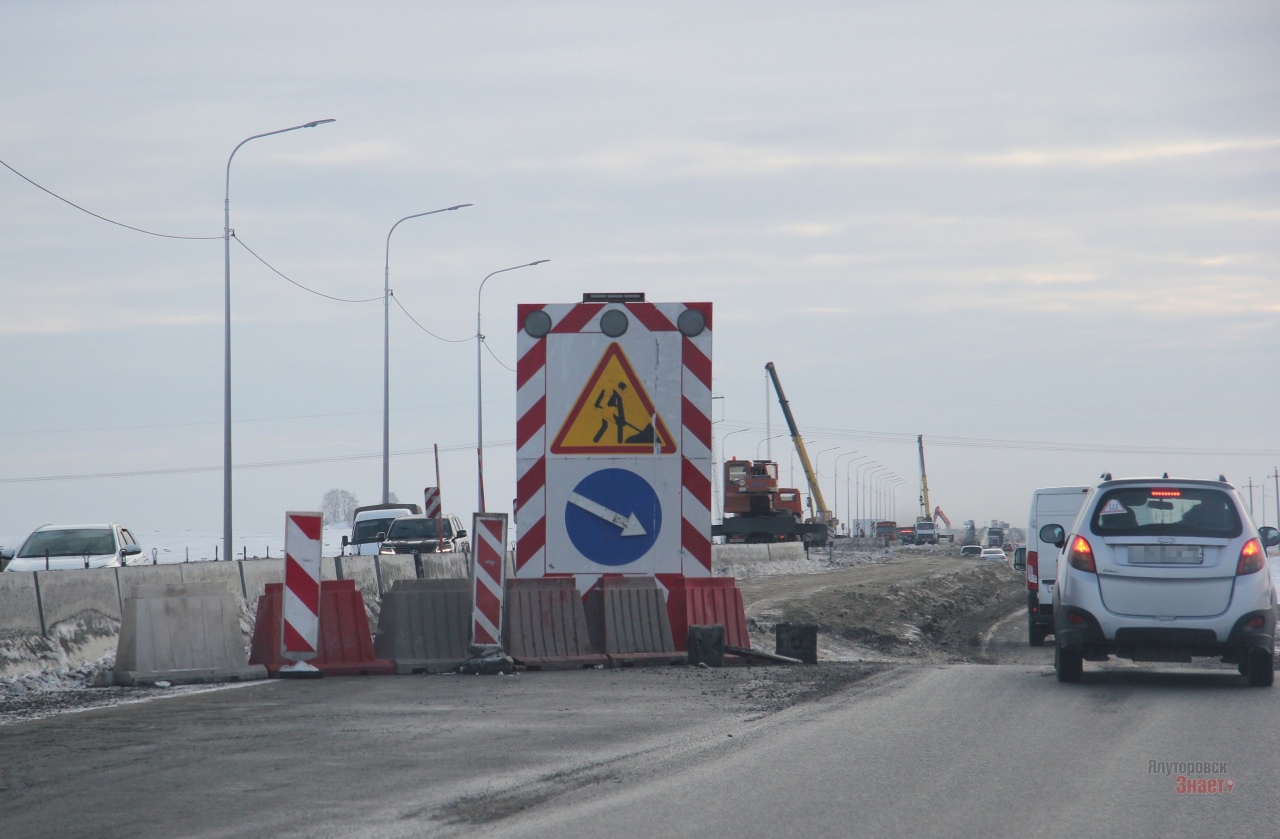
(1033, 571)
(1081, 555)
(1257, 622)
(1252, 558)
(1075, 619)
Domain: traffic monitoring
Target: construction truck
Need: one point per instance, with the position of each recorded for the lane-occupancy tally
(925, 532)
(757, 510)
(996, 534)
(822, 515)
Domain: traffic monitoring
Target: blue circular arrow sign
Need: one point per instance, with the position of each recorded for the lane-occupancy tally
(613, 517)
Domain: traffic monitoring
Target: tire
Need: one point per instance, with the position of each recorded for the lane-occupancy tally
(1035, 633)
(1068, 663)
(1261, 669)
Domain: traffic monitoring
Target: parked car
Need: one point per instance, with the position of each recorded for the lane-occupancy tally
(1160, 569)
(993, 555)
(419, 534)
(971, 550)
(62, 546)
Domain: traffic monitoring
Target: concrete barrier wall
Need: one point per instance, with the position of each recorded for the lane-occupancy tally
(65, 594)
(139, 575)
(19, 611)
(770, 552)
(257, 573)
(227, 573)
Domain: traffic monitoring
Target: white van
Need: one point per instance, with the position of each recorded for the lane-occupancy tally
(370, 525)
(1049, 505)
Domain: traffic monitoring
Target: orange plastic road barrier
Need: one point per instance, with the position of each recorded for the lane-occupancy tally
(346, 645)
(701, 601)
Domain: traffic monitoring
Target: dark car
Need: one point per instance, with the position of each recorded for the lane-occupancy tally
(419, 534)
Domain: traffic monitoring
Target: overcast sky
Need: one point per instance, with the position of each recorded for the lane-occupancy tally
(1044, 236)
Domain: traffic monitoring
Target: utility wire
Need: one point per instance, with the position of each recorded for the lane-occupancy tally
(187, 470)
(495, 358)
(428, 331)
(103, 218)
(298, 284)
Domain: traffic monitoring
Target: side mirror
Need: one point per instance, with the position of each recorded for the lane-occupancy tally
(130, 550)
(382, 536)
(6, 553)
(1269, 536)
(460, 534)
(1054, 535)
(1020, 559)
(345, 540)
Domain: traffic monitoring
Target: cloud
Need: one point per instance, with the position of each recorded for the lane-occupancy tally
(670, 158)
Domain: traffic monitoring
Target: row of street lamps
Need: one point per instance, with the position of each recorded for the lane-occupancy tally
(386, 352)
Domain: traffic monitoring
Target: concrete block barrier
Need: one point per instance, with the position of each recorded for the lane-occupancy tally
(797, 640)
(627, 618)
(545, 626)
(703, 601)
(394, 567)
(345, 643)
(423, 625)
(706, 645)
(182, 633)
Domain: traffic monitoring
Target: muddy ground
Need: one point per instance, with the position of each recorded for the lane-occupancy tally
(922, 605)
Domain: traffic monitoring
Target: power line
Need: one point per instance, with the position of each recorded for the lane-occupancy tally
(298, 284)
(104, 218)
(268, 464)
(428, 331)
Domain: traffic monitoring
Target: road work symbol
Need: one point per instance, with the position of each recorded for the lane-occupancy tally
(613, 414)
(613, 517)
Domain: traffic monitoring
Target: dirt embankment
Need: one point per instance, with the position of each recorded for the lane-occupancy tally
(918, 605)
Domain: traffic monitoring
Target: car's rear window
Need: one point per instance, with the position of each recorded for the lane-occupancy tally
(69, 542)
(1166, 511)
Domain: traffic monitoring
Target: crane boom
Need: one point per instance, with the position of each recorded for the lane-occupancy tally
(924, 484)
(815, 491)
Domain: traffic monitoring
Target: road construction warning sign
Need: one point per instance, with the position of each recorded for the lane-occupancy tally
(613, 414)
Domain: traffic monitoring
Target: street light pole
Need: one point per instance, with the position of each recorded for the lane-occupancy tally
(857, 488)
(227, 547)
(835, 485)
(386, 352)
(479, 388)
(847, 514)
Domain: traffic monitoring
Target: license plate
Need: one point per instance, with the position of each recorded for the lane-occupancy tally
(1166, 555)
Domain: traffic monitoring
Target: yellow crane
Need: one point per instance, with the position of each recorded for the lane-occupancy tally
(815, 492)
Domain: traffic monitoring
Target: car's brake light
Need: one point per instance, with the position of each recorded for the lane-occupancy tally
(1166, 493)
(1033, 571)
(1081, 555)
(1252, 558)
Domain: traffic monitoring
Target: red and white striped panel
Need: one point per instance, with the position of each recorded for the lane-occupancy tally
(488, 578)
(301, 625)
(431, 502)
(533, 434)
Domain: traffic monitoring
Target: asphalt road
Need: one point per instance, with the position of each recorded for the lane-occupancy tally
(911, 750)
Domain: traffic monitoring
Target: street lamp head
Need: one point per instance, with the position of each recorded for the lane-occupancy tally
(318, 122)
(458, 207)
(539, 262)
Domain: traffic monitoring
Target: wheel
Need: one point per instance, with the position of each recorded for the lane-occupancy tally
(1035, 633)
(1261, 669)
(1068, 663)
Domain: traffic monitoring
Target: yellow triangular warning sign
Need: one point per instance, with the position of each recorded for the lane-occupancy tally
(613, 414)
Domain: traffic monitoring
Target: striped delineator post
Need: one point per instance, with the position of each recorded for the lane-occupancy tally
(300, 628)
(488, 580)
(431, 502)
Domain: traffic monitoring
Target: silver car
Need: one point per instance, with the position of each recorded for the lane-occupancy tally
(63, 546)
(1161, 569)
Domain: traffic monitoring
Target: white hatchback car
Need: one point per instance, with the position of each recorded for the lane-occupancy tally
(1161, 569)
(55, 547)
